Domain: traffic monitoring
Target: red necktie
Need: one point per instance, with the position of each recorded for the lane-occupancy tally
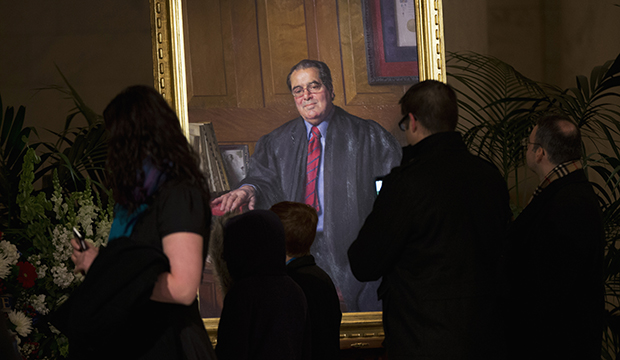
(312, 169)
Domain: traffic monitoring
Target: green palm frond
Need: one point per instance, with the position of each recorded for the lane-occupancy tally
(79, 151)
(594, 104)
(498, 107)
(14, 138)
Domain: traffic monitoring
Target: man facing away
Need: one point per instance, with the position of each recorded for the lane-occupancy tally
(435, 235)
(299, 222)
(329, 159)
(555, 257)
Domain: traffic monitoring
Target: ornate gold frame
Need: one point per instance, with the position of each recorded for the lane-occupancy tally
(169, 55)
(358, 330)
(431, 49)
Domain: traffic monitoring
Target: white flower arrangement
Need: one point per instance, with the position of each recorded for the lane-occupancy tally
(36, 271)
(38, 303)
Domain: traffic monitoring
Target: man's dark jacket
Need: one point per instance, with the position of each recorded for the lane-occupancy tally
(323, 306)
(436, 235)
(356, 152)
(554, 267)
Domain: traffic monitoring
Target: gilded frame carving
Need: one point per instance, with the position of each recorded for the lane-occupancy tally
(429, 36)
(358, 330)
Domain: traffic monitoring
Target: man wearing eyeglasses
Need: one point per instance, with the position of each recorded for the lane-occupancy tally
(326, 158)
(435, 236)
(555, 258)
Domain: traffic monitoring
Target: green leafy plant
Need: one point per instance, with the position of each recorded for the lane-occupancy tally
(591, 104)
(79, 152)
(610, 200)
(13, 143)
(498, 106)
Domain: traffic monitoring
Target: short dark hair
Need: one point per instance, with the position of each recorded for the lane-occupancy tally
(299, 222)
(560, 137)
(433, 104)
(324, 74)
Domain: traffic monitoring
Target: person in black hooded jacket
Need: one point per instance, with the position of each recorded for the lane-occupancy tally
(265, 313)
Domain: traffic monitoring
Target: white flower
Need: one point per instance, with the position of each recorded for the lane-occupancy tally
(57, 200)
(103, 230)
(27, 349)
(62, 276)
(23, 324)
(61, 240)
(41, 271)
(38, 303)
(10, 251)
(5, 267)
(85, 216)
(35, 260)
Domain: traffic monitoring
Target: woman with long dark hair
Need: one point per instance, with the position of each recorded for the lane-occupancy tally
(140, 290)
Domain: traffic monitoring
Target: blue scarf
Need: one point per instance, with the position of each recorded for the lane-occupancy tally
(123, 223)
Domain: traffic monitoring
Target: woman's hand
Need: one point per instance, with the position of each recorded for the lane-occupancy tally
(83, 259)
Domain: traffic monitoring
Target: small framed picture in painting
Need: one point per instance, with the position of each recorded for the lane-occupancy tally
(390, 30)
(236, 158)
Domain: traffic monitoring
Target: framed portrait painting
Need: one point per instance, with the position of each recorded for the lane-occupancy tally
(243, 69)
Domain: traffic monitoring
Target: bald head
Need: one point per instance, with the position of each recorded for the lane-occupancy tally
(560, 138)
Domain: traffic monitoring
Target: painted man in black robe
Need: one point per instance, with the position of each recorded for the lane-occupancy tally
(354, 152)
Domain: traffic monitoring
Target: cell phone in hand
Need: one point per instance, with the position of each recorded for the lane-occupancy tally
(80, 237)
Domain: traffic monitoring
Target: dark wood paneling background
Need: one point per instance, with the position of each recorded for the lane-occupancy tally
(238, 54)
